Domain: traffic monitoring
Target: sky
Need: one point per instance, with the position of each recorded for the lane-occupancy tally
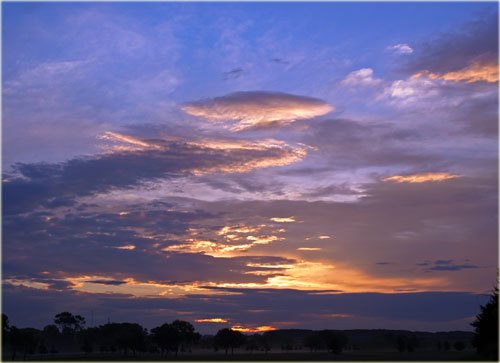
(250, 165)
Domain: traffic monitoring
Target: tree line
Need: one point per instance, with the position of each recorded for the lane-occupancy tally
(68, 334)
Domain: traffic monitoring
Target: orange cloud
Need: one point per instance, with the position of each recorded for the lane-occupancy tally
(211, 320)
(476, 72)
(421, 178)
(257, 329)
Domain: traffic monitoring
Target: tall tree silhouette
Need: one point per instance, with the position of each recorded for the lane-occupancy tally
(229, 339)
(486, 329)
(166, 337)
(187, 333)
(68, 322)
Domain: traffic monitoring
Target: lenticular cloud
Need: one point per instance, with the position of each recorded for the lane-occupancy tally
(244, 110)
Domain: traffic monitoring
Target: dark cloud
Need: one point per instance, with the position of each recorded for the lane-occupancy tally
(52, 185)
(107, 282)
(475, 41)
(447, 265)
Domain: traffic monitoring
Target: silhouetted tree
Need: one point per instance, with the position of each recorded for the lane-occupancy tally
(187, 333)
(412, 343)
(486, 329)
(51, 335)
(264, 343)
(166, 337)
(69, 323)
(401, 343)
(42, 349)
(459, 346)
(5, 324)
(229, 339)
(252, 342)
(5, 333)
(124, 336)
(334, 342)
(446, 345)
(313, 342)
(24, 340)
(86, 346)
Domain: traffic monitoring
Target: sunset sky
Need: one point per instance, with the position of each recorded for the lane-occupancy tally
(254, 165)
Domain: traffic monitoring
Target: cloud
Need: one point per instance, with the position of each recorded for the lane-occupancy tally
(401, 48)
(233, 73)
(129, 161)
(475, 72)
(362, 77)
(421, 178)
(211, 320)
(414, 88)
(257, 108)
(107, 282)
(475, 41)
(447, 265)
(283, 219)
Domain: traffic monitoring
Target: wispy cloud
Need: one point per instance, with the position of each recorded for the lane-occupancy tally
(401, 48)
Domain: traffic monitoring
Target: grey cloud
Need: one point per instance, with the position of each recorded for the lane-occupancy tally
(379, 144)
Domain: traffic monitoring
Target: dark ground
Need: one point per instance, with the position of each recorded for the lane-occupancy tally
(278, 356)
